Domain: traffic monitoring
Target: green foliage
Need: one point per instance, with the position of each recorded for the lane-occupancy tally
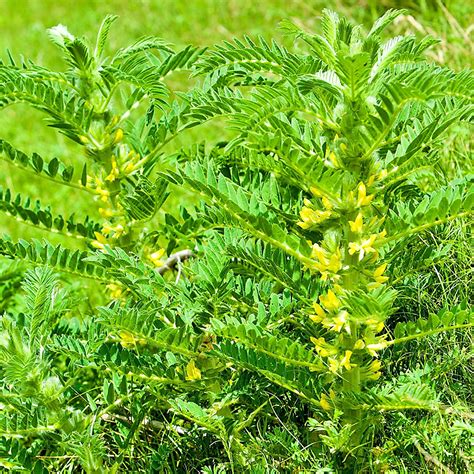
(259, 324)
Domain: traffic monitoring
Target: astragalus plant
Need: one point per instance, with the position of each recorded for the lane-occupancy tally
(273, 349)
(325, 193)
(120, 113)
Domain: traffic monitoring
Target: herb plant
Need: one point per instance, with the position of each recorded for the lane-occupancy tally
(280, 338)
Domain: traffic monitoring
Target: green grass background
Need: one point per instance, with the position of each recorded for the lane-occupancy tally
(23, 25)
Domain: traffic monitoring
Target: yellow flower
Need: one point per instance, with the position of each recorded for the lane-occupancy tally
(330, 301)
(155, 257)
(116, 230)
(105, 213)
(326, 265)
(107, 229)
(192, 372)
(323, 348)
(307, 214)
(316, 192)
(335, 263)
(333, 365)
(374, 324)
(373, 348)
(334, 160)
(364, 247)
(378, 277)
(362, 198)
(356, 226)
(319, 253)
(118, 136)
(103, 194)
(340, 321)
(375, 365)
(315, 318)
(346, 360)
(115, 290)
(371, 371)
(129, 340)
(325, 405)
(378, 274)
(98, 245)
(114, 172)
(311, 217)
(380, 270)
(327, 203)
(129, 168)
(319, 311)
(100, 241)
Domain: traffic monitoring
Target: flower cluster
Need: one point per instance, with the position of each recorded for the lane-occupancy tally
(327, 263)
(347, 259)
(311, 217)
(109, 234)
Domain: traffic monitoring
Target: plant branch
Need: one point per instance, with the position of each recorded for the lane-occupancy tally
(175, 259)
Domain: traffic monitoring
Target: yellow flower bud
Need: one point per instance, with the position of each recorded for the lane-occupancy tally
(319, 310)
(323, 348)
(118, 136)
(356, 226)
(375, 366)
(100, 237)
(325, 405)
(316, 192)
(346, 360)
(327, 203)
(98, 245)
(380, 270)
(129, 340)
(362, 198)
(334, 160)
(383, 174)
(115, 290)
(373, 348)
(360, 344)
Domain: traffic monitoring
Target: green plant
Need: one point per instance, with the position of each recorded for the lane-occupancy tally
(354, 126)
(108, 106)
(266, 350)
(120, 113)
